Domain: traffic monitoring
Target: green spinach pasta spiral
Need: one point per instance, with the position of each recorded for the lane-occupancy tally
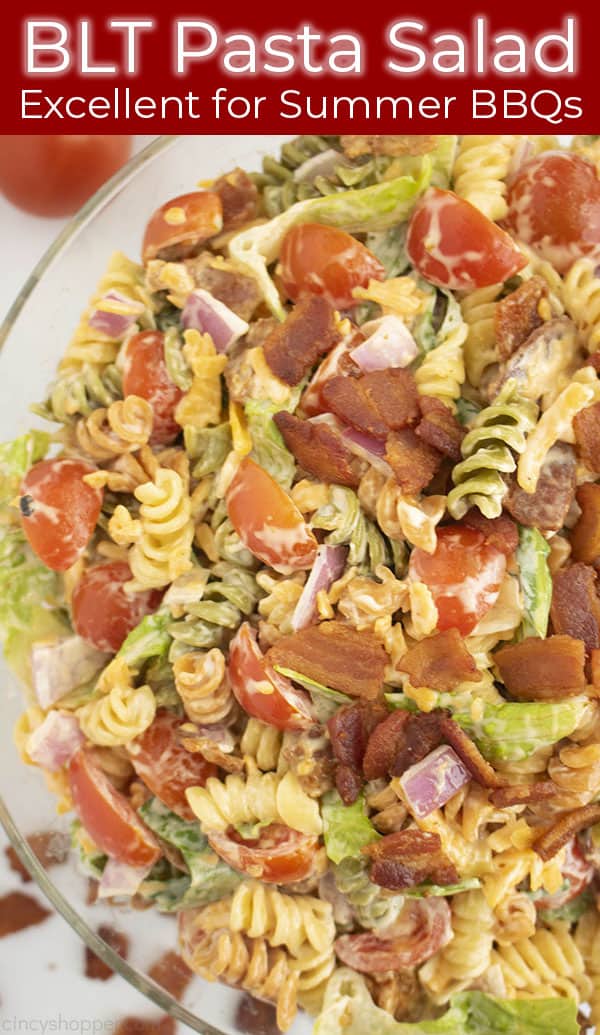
(78, 394)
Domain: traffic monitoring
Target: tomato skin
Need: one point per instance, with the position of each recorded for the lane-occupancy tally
(103, 612)
(267, 521)
(278, 856)
(145, 374)
(107, 815)
(326, 261)
(165, 766)
(59, 512)
(554, 206)
(53, 175)
(181, 225)
(453, 245)
(463, 570)
(285, 708)
(421, 929)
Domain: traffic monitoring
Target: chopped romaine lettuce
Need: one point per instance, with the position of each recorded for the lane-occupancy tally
(312, 685)
(16, 458)
(535, 580)
(571, 912)
(175, 362)
(268, 448)
(346, 828)
(91, 859)
(512, 731)
(149, 639)
(390, 248)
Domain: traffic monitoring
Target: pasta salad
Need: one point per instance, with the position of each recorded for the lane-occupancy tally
(301, 583)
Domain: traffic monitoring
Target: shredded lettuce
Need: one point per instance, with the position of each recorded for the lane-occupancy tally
(149, 639)
(535, 580)
(268, 448)
(512, 731)
(571, 912)
(16, 458)
(346, 828)
(312, 685)
(348, 1008)
(368, 209)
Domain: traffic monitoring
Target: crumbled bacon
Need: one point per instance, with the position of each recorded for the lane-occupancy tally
(575, 608)
(350, 729)
(517, 316)
(440, 662)
(375, 403)
(308, 333)
(543, 670)
(593, 361)
(97, 969)
(548, 506)
(500, 532)
(407, 858)
(18, 911)
(334, 654)
(565, 828)
(346, 397)
(413, 462)
(383, 745)
(239, 198)
(236, 290)
(586, 426)
(50, 846)
(318, 449)
(469, 753)
(422, 734)
(170, 972)
(585, 536)
(255, 1017)
(524, 793)
(439, 427)
(377, 144)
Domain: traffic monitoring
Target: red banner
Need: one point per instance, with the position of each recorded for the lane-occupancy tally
(240, 69)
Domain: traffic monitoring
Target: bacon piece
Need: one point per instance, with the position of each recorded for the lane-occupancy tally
(97, 969)
(543, 670)
(376, 403)
(440, 428)
(524, 794)
(440, 662)
(18, 911)
(51, 847)
(422, 734)
(171, 973)
(336, 655)
(308, 333)
(318, 449)
(575, 608)
(586, 426)
(553, 839)
(500, 532)
(255, 1017)
(595, 670)
(346, 397)
(239, 198)
(413, 462)
(593, 361)
(469, 753)
(585, 536)
(517, 316)
(350, 730)
(407, 858)
(383, 745)
(236, 290)
(422, 928)
(548, 506)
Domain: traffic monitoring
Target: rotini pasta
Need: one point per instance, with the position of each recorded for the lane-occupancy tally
(263, 744)
(290, 921)
(581, 293)
(478, 310)
(373, 910)
(202, 685)
(546, 964)
(480, 170)
(468, 955)
(80, 392)
(121, 428)
(202, 404)
(122, 713)
(442, 372)
(405, 518)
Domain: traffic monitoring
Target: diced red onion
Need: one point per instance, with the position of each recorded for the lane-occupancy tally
(115, 324)
(202, 312)
(367, 448)
(55, 741)
(321, 164)
(432, 782)
(119, 878)
(389, 343)
(59, 667)
(329, 565)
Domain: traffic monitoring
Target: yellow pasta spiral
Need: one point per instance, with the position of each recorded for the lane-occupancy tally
(201, 406)
(122, 713)
(467, 956)
(121, 428)
(291, 921)
(480, 172)
(201, 682)
(478, 310)
(262, 743)
(545, 965)
(442, 372)
(581, 294)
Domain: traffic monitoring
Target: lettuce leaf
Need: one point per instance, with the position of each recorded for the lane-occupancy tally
(268, 448)
(346, 828)
(535, 580)
(149, 639)
(512, 731)
(16, 458)
(357, 211)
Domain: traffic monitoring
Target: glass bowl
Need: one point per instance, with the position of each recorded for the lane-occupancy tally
(33, 338)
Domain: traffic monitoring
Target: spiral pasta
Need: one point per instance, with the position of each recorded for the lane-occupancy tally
(202, 684)
(201, 405)
(581, 292)
(405, 518)
(121, 428)
(478, 310)
(263, 744)
(480, 170)
(515, 919)
(290, 921)
(372, 908)
(343, 518)
(80, 392)
(468, 955)
(587, 940)
(575, 772)
(442, 372)
(257, 798)
(497, 432)
(277, 607)
(546, 964)
(229, 593)
(122, 713)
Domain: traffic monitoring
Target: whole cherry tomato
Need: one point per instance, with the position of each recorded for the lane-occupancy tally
(278, 856)
(145, 374)
(108, 816)
(103, 612)
(261, 692)
(164, 765)
(326, 261)
(464, 575)
(267, 521)
(554, 206)
(181, 225)
(54, 175)
(59, 511)
(452, 244)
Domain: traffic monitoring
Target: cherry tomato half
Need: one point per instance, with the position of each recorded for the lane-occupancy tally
(178, 228)
(278, 856)
(107, 815)
(422, 928)
(267, 521)
(103, 612)
(326, 261)
(165, 766)
(145, 373)
(464, 574)
(554, 206)
(59, 512)
(54, 175)
(453, 245)
(262, 693)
